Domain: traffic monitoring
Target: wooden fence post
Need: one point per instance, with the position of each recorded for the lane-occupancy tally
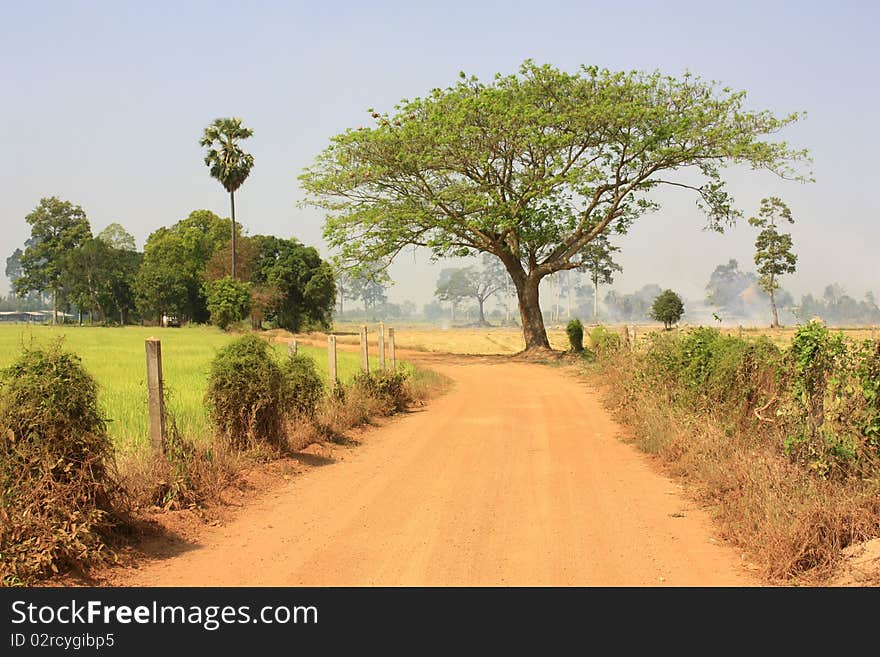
(155, 395)
(331, 361)
(365, 355)
(391, 349)
(633, 343)
(291, 348)
(381, 345)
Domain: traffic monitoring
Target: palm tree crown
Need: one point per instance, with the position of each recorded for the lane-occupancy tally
(229, 164)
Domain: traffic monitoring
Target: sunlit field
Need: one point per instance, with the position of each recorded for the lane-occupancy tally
(509, 340)
(116, 358)
(427, 337)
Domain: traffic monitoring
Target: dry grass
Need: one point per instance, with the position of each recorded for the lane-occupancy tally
(792, 524)
(424, 337)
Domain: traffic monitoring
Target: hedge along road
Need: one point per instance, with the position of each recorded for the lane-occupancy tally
(516, 476)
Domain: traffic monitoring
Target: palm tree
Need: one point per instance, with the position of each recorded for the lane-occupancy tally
(229, 164)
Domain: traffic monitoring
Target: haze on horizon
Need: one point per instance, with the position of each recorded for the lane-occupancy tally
(105, 103)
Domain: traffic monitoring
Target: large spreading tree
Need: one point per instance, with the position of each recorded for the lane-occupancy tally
(532, 167)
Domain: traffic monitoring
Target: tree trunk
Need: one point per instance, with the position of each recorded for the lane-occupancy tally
(482, 320)
(54, 306)
(773, 310)
(232, 203)
(530, 311)
(595, 302)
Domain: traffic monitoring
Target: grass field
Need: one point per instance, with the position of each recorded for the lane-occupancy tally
(116, 358)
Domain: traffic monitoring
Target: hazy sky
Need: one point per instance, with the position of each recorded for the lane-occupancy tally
(103, 103)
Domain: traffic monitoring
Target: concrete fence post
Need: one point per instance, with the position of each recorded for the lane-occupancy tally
(381, 345)
(155, 395)
(365, 354)
(291, 348)
(393, 360)
(331, 361)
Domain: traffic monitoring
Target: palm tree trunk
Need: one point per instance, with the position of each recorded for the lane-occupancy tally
(232, 203)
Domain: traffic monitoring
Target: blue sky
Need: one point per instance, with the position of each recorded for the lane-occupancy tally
(103, 104)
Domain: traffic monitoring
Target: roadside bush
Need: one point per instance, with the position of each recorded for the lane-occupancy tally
(386, 386)
(303, 385)
(833, 407)
(603, 341)
(575, 331)
(55, 487)
(247, 393)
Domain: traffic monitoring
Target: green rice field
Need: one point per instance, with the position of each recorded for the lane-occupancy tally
(116, 358)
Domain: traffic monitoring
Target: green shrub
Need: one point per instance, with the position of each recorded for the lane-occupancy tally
(386, 386)
(303, 385)
(247, 393)
(55, 489)
(603, 341)
(575, 331)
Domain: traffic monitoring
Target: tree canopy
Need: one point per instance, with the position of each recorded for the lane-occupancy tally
(57, 227)
(228, 163)
(532, 167)
(667, 308)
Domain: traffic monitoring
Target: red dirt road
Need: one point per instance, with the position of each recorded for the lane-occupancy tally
(514, 477)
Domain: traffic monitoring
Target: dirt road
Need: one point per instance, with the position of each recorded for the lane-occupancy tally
(514, 477)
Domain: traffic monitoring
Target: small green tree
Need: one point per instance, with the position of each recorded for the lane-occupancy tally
(773, 254)
(667, 308)
(229, 301)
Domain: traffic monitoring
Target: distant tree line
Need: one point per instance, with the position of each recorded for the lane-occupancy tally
(183, 271)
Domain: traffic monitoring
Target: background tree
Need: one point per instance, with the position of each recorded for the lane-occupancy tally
(633, 306)
(365, 285)
(100, 277)
(472, 283)
(667, 308)
(13, 266)
(115, 236)
(228, 163)
(229, 301)
(726, 287)
(57, 227)
(533, 167)
(303, 281)
(264, 298)
(170, 280)
(773, 250)
(597, 260)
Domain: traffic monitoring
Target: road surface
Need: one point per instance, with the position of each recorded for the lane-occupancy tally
(515, 477)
